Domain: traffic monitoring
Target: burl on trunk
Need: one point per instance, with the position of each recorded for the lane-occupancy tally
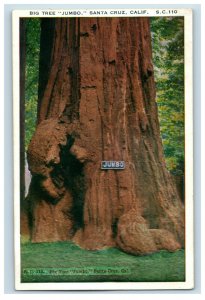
(97, 103)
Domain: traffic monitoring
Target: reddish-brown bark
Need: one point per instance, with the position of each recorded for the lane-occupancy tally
(99, 104)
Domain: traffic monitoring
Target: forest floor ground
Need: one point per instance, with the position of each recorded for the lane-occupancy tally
(66, 262)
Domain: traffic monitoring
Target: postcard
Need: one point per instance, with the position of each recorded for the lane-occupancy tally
(103, 172)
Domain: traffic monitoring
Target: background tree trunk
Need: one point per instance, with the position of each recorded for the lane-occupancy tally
(23, 208)
(22, 102)
(98, 104)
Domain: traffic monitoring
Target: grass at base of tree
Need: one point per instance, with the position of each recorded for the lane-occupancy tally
(66, 262)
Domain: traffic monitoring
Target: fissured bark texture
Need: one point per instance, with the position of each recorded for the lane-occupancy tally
(98, 103)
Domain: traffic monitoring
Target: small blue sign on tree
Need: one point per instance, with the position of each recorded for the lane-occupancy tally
(116, 165)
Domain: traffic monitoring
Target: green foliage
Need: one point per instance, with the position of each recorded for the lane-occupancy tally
(168, 60)
(161, 266)
(31, 76)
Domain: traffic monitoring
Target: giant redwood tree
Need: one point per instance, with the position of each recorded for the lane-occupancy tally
(97, 103)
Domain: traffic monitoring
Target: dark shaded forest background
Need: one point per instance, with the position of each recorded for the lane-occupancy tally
(168, 59)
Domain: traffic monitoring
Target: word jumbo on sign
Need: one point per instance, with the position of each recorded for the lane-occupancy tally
(113, 165)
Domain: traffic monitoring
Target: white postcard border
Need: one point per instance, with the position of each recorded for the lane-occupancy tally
(189, 236)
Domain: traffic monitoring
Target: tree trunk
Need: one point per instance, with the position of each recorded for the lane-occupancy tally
(99, 105)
